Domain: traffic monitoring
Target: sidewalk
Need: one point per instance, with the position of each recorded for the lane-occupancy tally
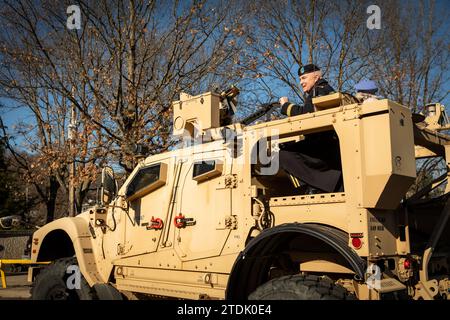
(18, 288)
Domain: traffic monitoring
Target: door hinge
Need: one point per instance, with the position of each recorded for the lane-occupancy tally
(231, 222)
(230, 181)
(228, 222)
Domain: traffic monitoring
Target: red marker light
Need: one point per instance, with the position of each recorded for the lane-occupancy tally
(407, 264)
(357, 243)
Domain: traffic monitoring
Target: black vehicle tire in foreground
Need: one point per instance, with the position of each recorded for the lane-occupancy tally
(301, 287)
(52, 283)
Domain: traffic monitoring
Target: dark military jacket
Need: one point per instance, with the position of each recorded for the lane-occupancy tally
(320, 88)
(316, 160)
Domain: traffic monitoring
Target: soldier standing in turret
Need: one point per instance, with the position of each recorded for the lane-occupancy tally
(314, 164)
(313, 85)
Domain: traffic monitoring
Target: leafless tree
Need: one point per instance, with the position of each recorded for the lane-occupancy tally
(287, 34)
(409, 56)
(121, 71)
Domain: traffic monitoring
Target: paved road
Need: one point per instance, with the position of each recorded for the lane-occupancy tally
(17, 288)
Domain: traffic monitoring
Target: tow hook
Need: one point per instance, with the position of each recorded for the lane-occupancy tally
(181, 221)
(155, 224)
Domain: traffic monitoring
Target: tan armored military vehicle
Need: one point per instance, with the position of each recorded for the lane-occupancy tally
(218, 218)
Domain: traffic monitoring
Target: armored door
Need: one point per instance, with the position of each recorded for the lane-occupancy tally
(202, 221)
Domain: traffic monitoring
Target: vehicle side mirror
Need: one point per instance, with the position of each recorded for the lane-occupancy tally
(9, 222)
(108, 187)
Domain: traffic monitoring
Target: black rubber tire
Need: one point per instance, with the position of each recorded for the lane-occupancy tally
(104, 291)
(50, 283)
(301, 287)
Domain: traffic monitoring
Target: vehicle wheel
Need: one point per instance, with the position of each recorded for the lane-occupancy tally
(51, 283)
(301, 287)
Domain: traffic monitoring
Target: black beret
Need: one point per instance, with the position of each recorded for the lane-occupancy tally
(307, 69)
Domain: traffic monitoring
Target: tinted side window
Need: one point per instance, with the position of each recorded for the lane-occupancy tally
(143, 179)
(205, 170)
(203, 167)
